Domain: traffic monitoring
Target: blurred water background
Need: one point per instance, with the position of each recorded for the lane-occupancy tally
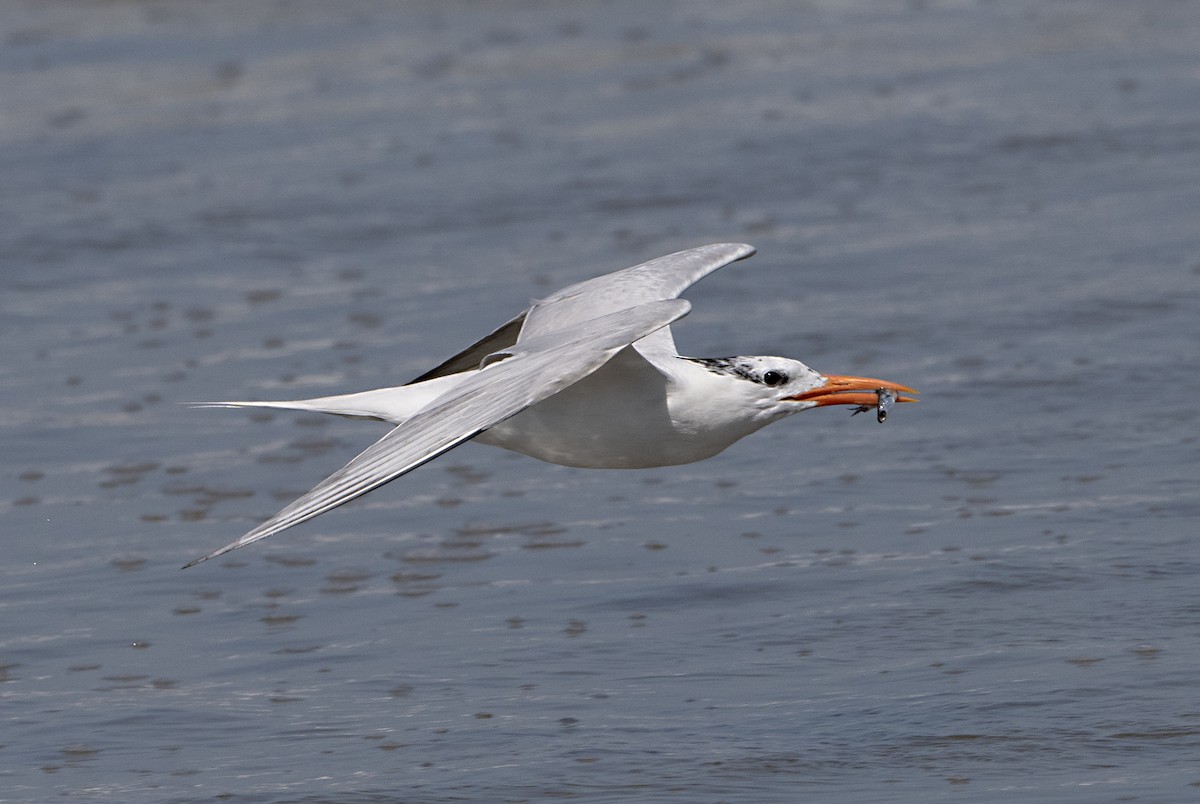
(992, 597)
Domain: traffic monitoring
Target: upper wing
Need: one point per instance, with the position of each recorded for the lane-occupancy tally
(662, 278)
(535, 369)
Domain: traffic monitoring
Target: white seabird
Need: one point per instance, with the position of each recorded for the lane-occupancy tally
(589, 377)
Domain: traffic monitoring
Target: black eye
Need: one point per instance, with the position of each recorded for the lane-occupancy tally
(773, 378)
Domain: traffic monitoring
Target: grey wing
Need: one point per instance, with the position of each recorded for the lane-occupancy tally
(536, 369)
(662, 278)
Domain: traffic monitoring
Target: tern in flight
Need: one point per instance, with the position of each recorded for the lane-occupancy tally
(588, 377)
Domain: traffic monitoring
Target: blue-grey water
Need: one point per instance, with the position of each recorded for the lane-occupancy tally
(992, 597)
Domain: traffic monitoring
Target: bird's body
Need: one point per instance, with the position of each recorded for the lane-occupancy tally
(586, 377)
(659, 412)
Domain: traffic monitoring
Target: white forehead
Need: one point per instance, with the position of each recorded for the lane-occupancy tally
(753, 367)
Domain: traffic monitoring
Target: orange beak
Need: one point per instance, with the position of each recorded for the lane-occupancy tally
(861, 391)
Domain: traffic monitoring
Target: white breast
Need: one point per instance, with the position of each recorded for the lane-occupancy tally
(630, 415)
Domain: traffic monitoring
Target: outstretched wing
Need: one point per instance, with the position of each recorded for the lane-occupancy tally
(662, 278)
(532, 370)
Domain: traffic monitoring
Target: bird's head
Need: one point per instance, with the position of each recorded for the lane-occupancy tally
(781, 386)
